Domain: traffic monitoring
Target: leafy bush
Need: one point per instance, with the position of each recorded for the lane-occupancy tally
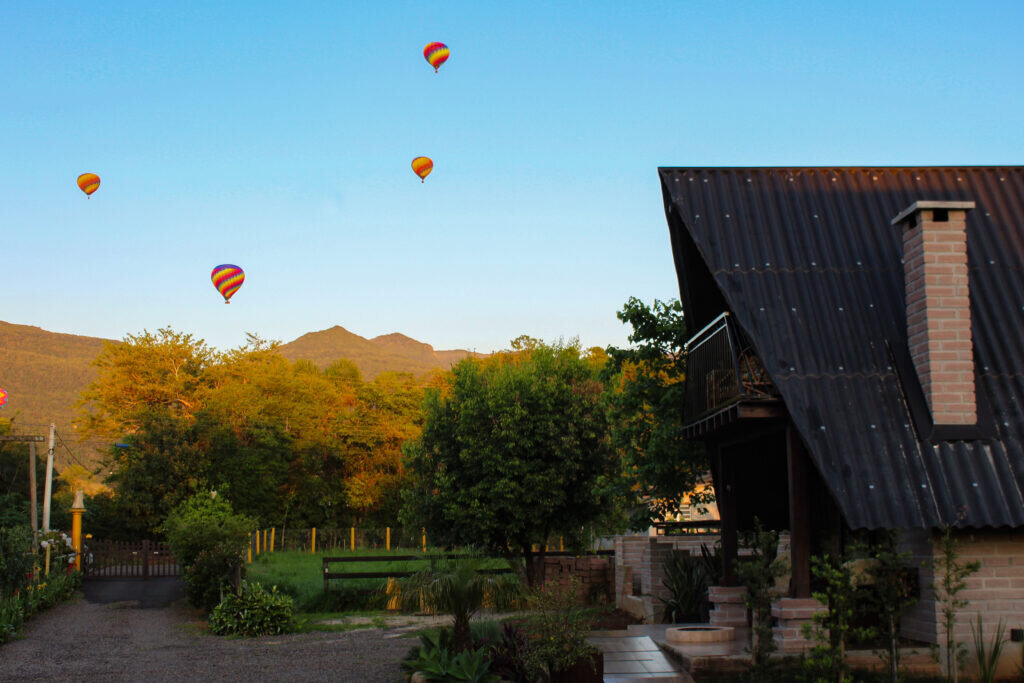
(208, 539)
(15, 558)
(434, 659)
(556, 631)
(507, 654)
(213, 570)
(253, 612)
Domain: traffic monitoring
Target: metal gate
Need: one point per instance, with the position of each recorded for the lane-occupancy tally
(127, 559)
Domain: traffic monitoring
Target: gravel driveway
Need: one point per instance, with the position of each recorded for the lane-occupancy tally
(122, 641)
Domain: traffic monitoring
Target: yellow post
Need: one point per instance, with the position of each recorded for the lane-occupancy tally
(47, 559)
(264, 540)
(561, 544)
(249, 558)
(77, 509)
(313, 543)
(272, 531)
(257, 543)
(387, 538)
(352, 546)
(424, 532)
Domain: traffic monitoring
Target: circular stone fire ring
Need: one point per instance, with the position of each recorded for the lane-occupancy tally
(699, 634)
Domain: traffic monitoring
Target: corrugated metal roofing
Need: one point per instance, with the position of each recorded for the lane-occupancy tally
(811, 268)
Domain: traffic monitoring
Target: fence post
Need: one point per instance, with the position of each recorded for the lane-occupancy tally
(561, 544)
(272, 532)
(264, 540)
(145, 559)
(387, 538)
(313, 543)
(423, 530)
(353, 538)
(257, 543)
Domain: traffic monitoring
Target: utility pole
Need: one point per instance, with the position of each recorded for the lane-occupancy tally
(31, 480)
(48, 486)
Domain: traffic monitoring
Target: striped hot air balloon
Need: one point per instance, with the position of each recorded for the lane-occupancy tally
(88, 183)
(436, 54)
(227, 279)
(422, 166)
(3, 398)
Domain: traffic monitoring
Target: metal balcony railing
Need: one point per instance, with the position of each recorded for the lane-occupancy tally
(721, 368)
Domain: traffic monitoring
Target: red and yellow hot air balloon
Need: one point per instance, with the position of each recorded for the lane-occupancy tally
(227, 279)
(436, 54)
(3, 397)
(422, 166)
(88, 183)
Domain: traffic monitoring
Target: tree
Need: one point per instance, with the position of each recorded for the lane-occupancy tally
(661, 468)
(144, 373)
(514, 450)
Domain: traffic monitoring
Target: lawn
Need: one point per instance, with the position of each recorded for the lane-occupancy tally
(300, 575)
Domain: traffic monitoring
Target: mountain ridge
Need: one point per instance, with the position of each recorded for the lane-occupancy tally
(45, 372)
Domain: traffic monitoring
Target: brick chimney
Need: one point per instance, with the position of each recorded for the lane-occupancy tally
(939, 307)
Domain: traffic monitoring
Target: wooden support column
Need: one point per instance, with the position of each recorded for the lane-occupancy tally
(726, 499)
(799, 514)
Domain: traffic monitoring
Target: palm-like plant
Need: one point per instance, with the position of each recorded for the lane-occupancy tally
(459, 588)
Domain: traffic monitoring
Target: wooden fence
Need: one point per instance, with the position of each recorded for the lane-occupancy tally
(103, 559)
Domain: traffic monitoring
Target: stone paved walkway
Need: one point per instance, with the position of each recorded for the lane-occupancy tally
(632, 656)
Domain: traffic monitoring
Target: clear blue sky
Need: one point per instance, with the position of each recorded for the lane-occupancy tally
(278, 136)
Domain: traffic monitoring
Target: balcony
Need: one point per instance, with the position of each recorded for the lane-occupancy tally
(725, 380)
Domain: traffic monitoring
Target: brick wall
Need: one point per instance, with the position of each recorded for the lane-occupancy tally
(595, 576)
(996, 591)
(646, 556)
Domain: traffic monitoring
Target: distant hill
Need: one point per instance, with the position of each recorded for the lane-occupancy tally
(45, 372)
(388, 352)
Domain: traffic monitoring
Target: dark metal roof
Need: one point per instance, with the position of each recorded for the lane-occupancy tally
(807, 261)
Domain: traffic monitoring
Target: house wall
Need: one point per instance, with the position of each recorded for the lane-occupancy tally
(995, 591)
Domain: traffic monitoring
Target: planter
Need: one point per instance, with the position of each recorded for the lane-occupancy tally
(588, 670)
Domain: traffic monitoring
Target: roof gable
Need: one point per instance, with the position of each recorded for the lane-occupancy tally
(809, 264)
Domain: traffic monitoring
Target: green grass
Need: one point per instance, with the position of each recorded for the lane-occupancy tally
(300, 575)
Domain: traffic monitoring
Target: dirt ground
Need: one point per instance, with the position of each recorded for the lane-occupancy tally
(116, 641)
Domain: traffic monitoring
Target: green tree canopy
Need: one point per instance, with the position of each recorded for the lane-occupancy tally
(515, 449)
(661, 468)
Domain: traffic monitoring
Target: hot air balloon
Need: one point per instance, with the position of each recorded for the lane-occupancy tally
(436, 54)
(3, 397)
(227, 279)
(89, 183)
(422, 166)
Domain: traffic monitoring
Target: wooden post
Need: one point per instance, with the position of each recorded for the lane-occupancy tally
(264, 540)
(249, 554)
(353, 545)
(272, 531)
(257, 543)
(799, 515)
(47, 559)
(423, 530)
(727, 513)
(561, 544)
(387, 538)
(313, 543)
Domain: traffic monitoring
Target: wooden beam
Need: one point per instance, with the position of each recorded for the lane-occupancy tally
(799, 515)
(726, 498)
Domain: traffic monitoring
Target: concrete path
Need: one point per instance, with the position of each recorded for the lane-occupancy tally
(632, 655)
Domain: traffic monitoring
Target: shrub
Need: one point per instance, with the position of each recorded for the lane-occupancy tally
(208, 539)
(434, 659)
(253, 612)
(556, 631)
(15, 609)
(15, 558)
(687, 583)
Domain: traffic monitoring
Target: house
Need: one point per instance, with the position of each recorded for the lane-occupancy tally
(859, 365)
